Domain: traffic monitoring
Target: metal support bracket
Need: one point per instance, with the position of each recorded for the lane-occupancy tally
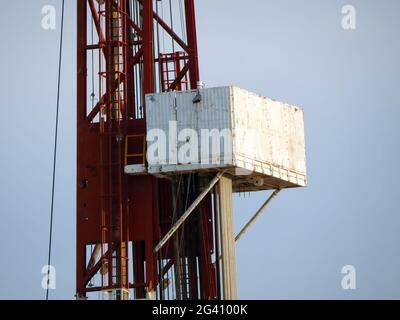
(257, 215)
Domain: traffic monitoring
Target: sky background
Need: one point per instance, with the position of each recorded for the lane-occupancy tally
(294, 51)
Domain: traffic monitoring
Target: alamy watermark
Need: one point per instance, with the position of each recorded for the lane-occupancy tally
(49, 278)
(49, 18)
(349, 19)
(349, 281)
(188, 146)
(204, 147)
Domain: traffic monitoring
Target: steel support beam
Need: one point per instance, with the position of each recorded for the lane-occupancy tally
(192, 44)
(81, 115)
(228, 247)
(257, 215)
(148, 48)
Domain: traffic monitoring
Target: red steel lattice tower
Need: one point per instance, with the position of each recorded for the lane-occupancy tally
(120, 217)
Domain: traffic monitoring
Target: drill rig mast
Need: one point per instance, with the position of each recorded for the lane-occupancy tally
(121, 57)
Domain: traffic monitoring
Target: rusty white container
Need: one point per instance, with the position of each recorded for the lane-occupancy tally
(259, 141)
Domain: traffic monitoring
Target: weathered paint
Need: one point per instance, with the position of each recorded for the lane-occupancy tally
(267, 136)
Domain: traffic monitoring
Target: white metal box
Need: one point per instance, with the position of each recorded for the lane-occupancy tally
(259, 141)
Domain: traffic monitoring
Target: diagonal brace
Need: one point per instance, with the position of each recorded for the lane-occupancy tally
(188, 212)
(257, 215)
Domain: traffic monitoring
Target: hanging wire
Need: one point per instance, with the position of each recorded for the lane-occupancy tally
(55, 150)
(188, 181)
(183, 21)
(163, 32)
(172, 25)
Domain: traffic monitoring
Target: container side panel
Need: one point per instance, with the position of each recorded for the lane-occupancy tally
(269, 136)
(228, 127)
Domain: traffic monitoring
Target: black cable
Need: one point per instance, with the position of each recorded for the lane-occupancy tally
(172, 24)
(55, 151)
(183, 21)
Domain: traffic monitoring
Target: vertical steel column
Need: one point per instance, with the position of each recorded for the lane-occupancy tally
(148, 48)
(217, 241)
(207, 268)
(152, 212)
(81, 126)
(228, 245)
(192, 43)
(138, 268)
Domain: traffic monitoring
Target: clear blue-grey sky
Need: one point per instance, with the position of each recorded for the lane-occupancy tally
(294, 51)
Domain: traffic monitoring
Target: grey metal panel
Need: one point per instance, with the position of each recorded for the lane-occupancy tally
(267, 136)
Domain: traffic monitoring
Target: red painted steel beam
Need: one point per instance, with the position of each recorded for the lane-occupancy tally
(179, 78)
(92, 271)
(169, 30)
(100, 46)
(206, 240)
(192, 43)
(81, 115)
(104, 99)
(96, 20)
(167, 267)
(148, 47)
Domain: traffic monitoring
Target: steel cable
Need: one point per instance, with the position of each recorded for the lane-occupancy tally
(55, 151)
